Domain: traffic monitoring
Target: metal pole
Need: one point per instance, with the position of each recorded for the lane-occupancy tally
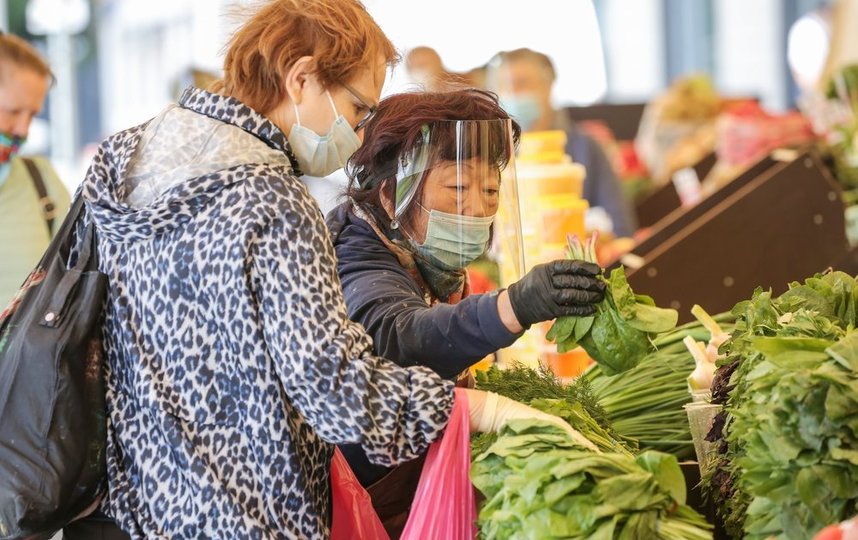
(4, 15)
(63, 99)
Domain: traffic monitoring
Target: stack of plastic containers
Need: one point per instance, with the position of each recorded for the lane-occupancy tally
(550, 186)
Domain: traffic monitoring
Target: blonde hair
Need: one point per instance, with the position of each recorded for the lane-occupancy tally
(17, 51)
(340, 35)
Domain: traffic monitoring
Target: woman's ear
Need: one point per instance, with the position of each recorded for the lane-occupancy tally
(297, 78)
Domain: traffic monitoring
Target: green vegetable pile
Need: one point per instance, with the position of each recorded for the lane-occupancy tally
(539, 484)
(645, 403)
(620, 334)
(842, 89)
(788, 452)
(542, 390)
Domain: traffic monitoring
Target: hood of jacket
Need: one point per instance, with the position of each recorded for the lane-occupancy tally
(154, 177)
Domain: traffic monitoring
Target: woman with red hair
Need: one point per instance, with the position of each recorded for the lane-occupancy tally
(231, 367)
(425, 190)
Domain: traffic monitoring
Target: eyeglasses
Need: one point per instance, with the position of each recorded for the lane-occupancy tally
(371, 109)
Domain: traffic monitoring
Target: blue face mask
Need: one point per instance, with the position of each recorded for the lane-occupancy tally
(321, 155)
(453, 241)
(523, 108)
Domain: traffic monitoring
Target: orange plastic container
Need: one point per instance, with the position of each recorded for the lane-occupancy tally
(567, 365)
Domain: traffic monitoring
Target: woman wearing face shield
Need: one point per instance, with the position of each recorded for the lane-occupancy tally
(426, 188)
(231, 366)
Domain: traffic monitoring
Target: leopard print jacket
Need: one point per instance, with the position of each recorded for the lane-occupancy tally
(231, 365)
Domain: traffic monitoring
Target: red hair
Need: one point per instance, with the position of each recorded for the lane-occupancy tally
(16, 51)
(340, 35)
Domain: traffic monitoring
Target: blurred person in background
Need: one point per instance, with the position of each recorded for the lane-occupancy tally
(33, 200)
(231, 366)
(426, 188)
(523, 79)
(424, 68)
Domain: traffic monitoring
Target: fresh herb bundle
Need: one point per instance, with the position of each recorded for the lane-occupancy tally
(542, 390)
(524, 384)
(620, 334)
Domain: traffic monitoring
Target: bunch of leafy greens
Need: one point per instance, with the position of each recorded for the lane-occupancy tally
(539, 484)
(645, 403)
(542, 390)
(788, 434)
(620, 334)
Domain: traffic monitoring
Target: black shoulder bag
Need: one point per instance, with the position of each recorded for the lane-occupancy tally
(52, 416)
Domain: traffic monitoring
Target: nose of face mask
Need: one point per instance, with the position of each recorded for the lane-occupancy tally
(320, 155)
(524, 109)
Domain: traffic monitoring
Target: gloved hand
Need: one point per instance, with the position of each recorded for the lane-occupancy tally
(554, 289)
(489, 411)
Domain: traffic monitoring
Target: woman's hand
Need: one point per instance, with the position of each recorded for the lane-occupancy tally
(489, 411)
(551, 290)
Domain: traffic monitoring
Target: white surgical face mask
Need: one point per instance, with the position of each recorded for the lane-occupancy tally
(321, 155)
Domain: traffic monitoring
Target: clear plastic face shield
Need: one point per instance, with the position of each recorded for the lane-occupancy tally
(456, 194)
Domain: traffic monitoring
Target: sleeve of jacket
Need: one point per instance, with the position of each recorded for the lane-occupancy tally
(602, 186)
(446, 338)
(323, 359)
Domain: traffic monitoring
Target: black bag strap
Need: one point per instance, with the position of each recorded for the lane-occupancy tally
(87, 260)
(49, 209)
(61, 241)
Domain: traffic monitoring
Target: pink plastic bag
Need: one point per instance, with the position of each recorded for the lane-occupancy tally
(444, 507)
(353, 515)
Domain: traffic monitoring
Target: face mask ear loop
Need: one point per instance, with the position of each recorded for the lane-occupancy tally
(331, 101)
(297, 115)
(394, 224)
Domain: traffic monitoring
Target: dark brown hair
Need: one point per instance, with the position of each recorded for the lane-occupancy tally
(396, 129)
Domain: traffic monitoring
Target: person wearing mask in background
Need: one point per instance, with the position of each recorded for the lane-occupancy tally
(424, 67)
(231, 366)
(33, 200)
(425, 190)
(524, 78)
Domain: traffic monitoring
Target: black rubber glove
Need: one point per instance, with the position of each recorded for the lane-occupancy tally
(554, 289)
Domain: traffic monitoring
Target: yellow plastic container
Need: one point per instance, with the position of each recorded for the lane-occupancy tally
(536, 142)
(552, 157)
(525, 350)
(483, 365)
(536, 179)
(561, 215)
